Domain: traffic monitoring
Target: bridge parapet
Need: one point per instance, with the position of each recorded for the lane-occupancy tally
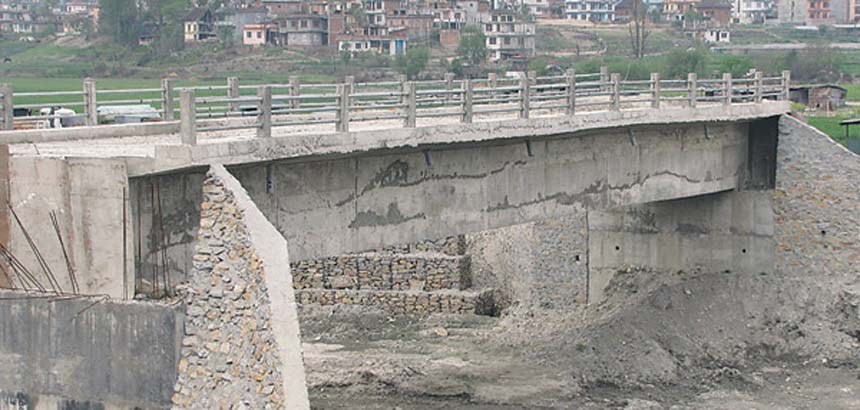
(258, 109)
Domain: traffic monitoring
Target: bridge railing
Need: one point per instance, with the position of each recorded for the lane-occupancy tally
(231, 106)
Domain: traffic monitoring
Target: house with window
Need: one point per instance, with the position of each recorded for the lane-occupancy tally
(508, 35)
(716, 36)
(259, 34)
(302, 30)
(386, 45)
(595, 11)
(199, 25)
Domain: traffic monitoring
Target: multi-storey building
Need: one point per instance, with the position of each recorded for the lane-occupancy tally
(508, 35)
(596, 11)
(749, 11)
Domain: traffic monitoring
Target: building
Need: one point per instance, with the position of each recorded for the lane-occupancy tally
(77, 7)
(749, 11)
(259, 34)
(716, 36)
(717, 12)
(386, 45)
(537, 8)
(302, 30)
(416, 25)
(509, 36)
(826, 97)
(808, 12)
(199, 25)
(595, 11)
(283, 7)
(237, 18)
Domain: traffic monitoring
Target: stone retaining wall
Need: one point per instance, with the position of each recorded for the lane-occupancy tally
(414, 303)
(383, 271)
(233, 353)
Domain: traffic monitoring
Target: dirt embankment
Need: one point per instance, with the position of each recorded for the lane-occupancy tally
(680, 340)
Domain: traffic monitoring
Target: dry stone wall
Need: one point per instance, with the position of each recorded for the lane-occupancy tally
(413, 303)
(229, 356)
(383, 271)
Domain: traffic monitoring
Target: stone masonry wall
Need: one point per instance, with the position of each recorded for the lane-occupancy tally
(229, 357)
(415, 303)
(383, 271)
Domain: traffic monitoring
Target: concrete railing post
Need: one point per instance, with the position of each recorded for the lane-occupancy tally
(692, 89)
(758, 87)
(295, 92)
(264, 112)
(615, 101)
(343, 92)
(90, 105)
(449, 86)
(187, 117)
(7, 107)
(468, 108)
(655, 90)
(233, 92)
(786, 85)
(167, 97)
(727, 89)
(411, 104)
(571, 92)
(402, 80)
(492, 83)
(604, 78)
(525, 90)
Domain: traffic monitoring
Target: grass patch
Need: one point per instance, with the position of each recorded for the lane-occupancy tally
(831, 127)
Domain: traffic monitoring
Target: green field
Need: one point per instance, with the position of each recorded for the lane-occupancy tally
(831, 127)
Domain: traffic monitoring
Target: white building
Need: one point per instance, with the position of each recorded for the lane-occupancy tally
(749, 11)
(716, 36)
(508, 35)
(596, 11)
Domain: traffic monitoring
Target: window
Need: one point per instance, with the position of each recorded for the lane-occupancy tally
(248, 34)
(492, 40)
(259, 34)
(507, 41)
(304, 23)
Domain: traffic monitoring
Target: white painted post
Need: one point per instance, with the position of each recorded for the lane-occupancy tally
(233, 92)
(411, 104)
(468, 109)
(187, 117)
(727, 89)
(655, 90)
(524, 95)
(615, 78)
(167, 97)
(264, 114)
(90, 107)
(758, 95)
(449, 86)
(571, 92)
(7, 107)
(692, 89)
(342, 122)
(295, 92)
(786, 85)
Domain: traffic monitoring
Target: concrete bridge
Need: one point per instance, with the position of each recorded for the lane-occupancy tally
(664, 173)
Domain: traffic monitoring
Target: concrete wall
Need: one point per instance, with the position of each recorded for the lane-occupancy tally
(717, 232)
(336, 205)
(111, 354)
(166, 211)
(87, 195)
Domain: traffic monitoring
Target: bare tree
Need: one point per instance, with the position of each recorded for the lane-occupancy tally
(638, 28)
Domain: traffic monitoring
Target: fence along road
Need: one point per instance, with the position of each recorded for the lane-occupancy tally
(235, 111)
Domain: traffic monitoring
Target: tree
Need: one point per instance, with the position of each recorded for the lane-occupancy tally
(638, 28)
(738, 66)
(413, 61)
(473, 45)
(681, 62)
(119, 21)
(226, 36)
